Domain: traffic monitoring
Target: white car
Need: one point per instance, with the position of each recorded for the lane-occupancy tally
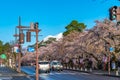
(56, 65)
(44, 66)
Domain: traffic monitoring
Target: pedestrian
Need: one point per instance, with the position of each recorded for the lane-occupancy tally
(86, 61)
(104, 62)
(71, 63)
(119, 65)
(74, 62)
(67, 62)
(113, 65)
(90, 64)
(81, 63)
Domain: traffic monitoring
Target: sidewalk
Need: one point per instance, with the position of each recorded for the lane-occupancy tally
(98, 72)
(12, 74)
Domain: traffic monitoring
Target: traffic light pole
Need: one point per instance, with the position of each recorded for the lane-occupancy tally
(37, 78)
(19, 55)
(37, 31)
(21, 40)
(19, 59)
(109, 63)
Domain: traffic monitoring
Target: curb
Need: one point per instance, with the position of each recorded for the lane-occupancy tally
(101, 74)
(110, 75)
(22, 72)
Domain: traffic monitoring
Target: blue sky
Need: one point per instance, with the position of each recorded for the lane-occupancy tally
(52, 15)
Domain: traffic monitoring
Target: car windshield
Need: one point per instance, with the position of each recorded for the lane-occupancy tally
(43, 62)
(56, 63)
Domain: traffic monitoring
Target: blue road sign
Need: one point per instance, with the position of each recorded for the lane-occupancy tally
(30, 49)
(111, 49)
(18, 50)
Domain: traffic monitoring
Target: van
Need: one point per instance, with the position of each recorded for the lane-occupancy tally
(44, 66)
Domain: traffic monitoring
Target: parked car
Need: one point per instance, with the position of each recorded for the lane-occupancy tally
(56, 65)
(44, 66)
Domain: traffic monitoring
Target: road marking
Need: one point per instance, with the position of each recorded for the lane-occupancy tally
(85, 73)
(6, 78)
(46, 77)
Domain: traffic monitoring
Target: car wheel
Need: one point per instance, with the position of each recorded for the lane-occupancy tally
(59, 70)
(49, 71)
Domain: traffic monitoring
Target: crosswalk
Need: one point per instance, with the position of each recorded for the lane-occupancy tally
(6, 73)
(7, 70)
(5, 78)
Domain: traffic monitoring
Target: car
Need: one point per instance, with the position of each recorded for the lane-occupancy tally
(44, 66)
(56, 65)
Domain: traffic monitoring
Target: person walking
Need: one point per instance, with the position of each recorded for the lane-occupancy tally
(104, 62)
(81, 63)
(90, 63)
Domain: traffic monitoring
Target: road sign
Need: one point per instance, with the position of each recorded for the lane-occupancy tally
(16, 49)
(111, 49)
(3, 56)
(30, 49)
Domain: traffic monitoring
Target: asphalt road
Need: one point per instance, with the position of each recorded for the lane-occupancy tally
(65, 75)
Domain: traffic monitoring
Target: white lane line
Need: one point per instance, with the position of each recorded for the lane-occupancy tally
(45, 77)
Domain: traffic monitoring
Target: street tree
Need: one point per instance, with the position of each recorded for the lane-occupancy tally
(74, 26)
(6, 47)
(87, 43)
(1, 46)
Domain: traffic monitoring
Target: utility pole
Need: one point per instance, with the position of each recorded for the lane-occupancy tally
(118, 14)
(31, 28)
(109, 64)
(114, 14)
(19, 45)
(37, 31)
(37, 78)
(19, 55)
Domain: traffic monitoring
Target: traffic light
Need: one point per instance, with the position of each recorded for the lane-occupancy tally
(36, 25)
(113, 13)
(31, 25)
(21, 38)
(28, 36)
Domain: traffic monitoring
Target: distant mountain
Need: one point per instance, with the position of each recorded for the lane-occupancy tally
(45, 40)
(58, 36)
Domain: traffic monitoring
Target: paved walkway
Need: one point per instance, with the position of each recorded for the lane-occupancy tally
(7, 73)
